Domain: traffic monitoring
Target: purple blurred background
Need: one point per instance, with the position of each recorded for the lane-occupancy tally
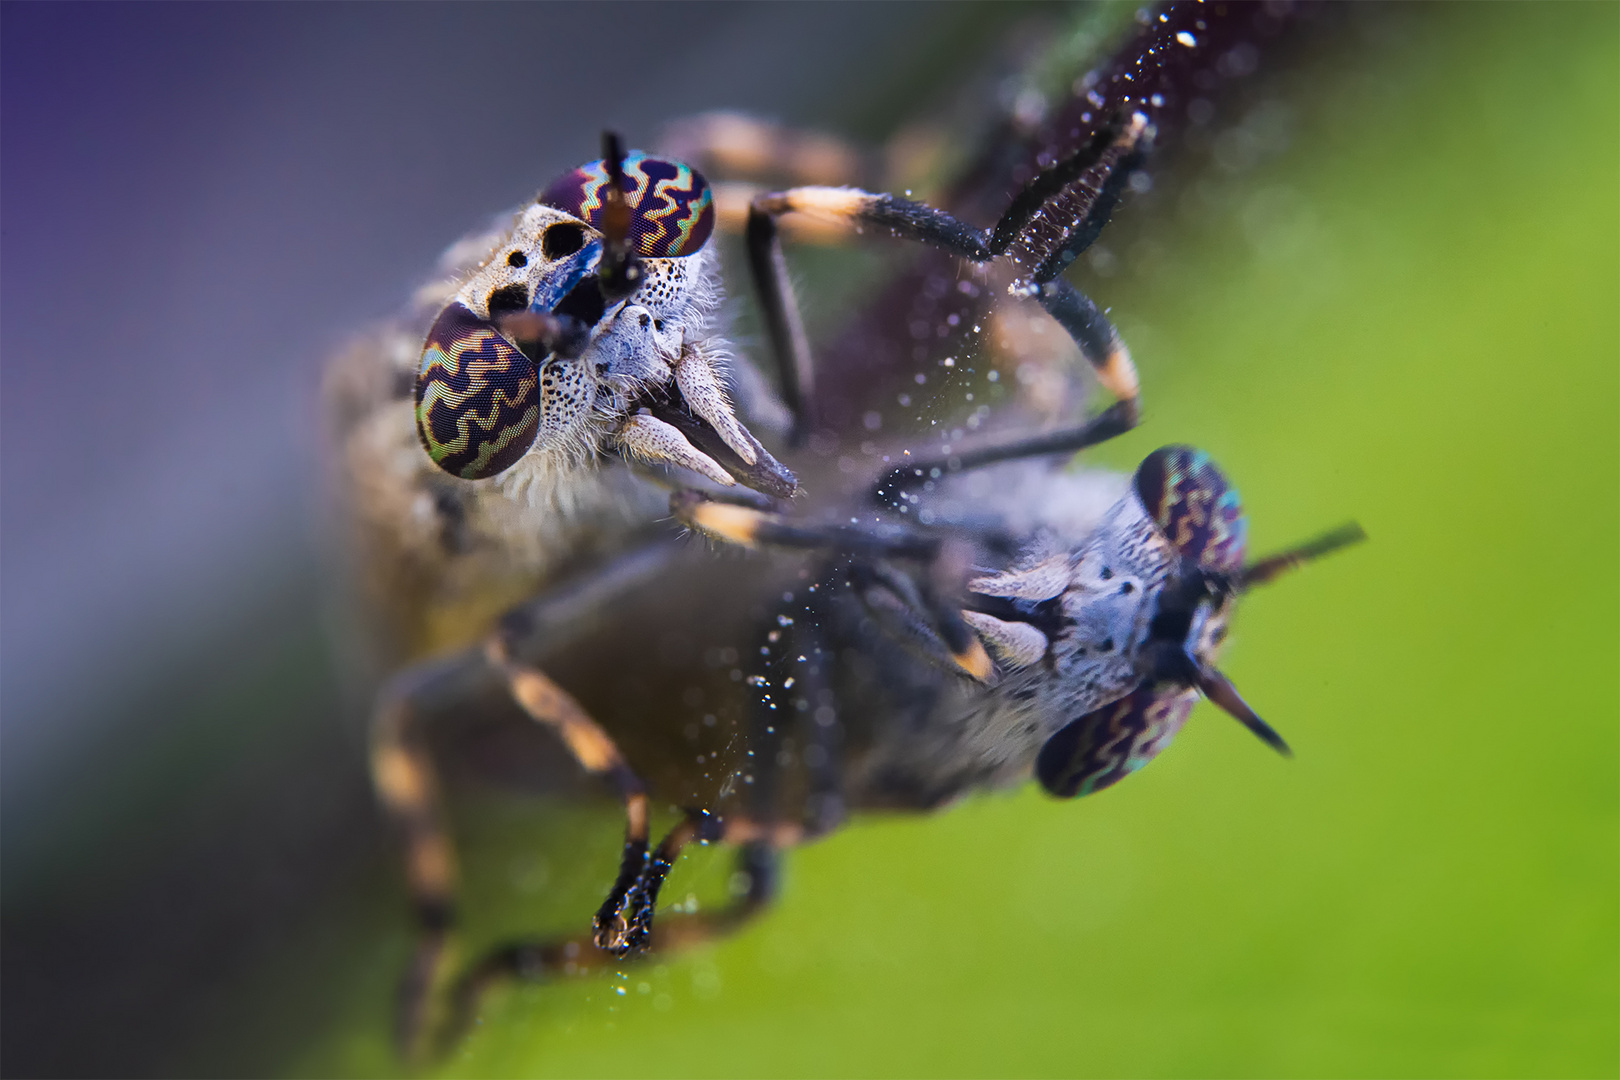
(197, 202)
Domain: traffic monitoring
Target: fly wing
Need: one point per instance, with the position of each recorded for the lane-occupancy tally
(1108, 744)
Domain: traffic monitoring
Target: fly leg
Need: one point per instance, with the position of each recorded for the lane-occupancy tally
(757, 830)
(914, 603)
(751, 524)
(580, 954)
(849, 210)
(736, 144)
(737, 152)
(617, 923)
(406, 780)
(406, 777)
(1100, 343)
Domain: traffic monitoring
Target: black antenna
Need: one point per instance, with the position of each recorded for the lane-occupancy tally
(1219, 689)
(1182, 666)
(1265, 570)
(619, 273)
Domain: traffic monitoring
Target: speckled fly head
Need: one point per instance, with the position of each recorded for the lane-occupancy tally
(594, 308)
(1198, 522)
(479, 399)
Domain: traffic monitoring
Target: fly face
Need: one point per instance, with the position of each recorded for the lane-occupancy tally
(1084, 614)
(481, 434)
(1186, 521)
(592, 317)
(1149, 582)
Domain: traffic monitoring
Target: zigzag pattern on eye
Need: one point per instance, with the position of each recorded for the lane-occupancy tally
(672, 209)
(477, 397)
(1125, 735)
(1195, 507)
(680, 200)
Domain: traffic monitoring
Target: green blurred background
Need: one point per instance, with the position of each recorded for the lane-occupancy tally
(1393, 294)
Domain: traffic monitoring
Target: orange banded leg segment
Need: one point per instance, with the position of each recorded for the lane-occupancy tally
(749, 526)
(405, 776)
(739, 153)
(735, 144)
(849, 210)
(407, 785)
(1099, 342)
(551, 705)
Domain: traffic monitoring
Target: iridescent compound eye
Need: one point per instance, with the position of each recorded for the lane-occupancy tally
(671, 207)
(1106, 745)
(477, 397)
(1195, 507)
